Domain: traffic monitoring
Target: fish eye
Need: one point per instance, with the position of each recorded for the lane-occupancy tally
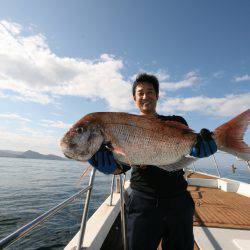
(80, 130)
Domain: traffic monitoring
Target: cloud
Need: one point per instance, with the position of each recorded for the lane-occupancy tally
(55, 124)
(34, 73)
(13, 28)
(14, 117)
(2, 95)
(220, 107)
(43, 142)
(190, 79)
(219, 74)
(162, 75)
(242, 78)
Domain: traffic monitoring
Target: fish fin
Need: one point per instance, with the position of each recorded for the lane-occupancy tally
(182, 163)
(84, 174)
(174, 124)
(229, 136)
(119, 151)
(115, 149)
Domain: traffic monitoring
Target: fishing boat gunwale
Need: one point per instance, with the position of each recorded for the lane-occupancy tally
(100, 223)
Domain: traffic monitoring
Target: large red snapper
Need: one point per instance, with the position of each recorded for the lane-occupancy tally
(142, 140)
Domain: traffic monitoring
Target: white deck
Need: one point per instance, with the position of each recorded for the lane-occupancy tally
(208, 238)
(99, 224)
(224, 184)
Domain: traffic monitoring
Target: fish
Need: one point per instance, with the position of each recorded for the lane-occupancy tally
(145, 140)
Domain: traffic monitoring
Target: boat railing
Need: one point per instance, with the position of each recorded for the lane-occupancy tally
(21, 232)
(216, 165)
(24, 230)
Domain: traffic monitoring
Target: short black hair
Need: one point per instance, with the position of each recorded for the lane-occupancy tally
(146, 78)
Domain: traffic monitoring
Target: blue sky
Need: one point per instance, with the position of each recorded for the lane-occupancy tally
(60, 60)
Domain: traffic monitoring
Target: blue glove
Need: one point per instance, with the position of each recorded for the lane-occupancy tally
(204, 145)
(103, 160)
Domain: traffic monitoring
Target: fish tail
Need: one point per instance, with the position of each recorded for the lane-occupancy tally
(229, 136)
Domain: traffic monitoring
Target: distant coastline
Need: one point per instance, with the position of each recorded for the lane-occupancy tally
(29, 154)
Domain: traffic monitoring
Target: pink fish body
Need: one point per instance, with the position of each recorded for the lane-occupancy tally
(142, 140)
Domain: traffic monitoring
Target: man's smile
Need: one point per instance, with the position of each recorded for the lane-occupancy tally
(146, 98)
(146, 102)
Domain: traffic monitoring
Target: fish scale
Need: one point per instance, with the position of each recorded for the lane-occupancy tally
(149, 145)
(144, 140)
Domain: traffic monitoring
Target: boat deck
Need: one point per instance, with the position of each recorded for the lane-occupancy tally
(221, 220)
(214, 209)
(220, 209)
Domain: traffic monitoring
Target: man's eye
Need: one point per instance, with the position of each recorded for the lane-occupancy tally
(80, 130)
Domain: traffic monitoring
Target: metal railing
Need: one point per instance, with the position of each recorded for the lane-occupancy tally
(248, 164)
(24, 230)
(21, 232)
(86, 209)
(123, 217)
(217, 166)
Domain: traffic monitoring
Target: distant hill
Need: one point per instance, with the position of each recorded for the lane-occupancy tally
(30, 155)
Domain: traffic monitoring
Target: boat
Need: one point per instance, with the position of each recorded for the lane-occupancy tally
(221, 220)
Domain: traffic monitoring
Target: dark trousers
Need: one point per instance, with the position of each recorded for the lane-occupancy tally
(150, 219)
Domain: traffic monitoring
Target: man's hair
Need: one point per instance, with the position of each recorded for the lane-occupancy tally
(146, 78)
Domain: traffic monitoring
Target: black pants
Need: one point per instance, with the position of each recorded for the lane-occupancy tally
(150, 219)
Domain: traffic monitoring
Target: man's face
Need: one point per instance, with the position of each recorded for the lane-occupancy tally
(145, 98)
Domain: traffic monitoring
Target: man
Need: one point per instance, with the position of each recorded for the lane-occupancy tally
(159, 207)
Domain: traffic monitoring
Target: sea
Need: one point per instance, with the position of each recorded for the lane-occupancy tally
(29, 187)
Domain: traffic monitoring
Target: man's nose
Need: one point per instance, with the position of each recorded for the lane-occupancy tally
(145, 96)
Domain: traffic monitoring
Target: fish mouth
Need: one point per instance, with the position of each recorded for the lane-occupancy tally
(74, 155)
(67, 144)
(69, 157)
(67, 152)
(71, 152)
(68, 149)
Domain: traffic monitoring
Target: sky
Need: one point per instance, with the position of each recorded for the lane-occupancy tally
(60, 60)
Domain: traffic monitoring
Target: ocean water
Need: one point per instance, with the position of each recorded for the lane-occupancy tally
(29, 187)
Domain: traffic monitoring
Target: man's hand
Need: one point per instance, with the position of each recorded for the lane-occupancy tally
(204, 145)
(103, 160)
